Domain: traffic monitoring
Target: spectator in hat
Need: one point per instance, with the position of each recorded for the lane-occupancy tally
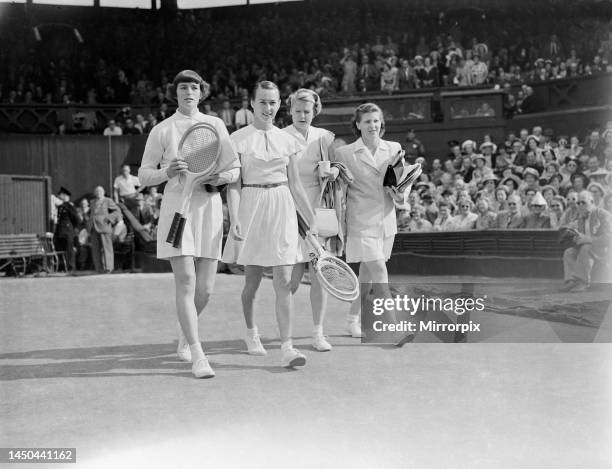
(487, 149)
(487, 219)
(513, 183)
(67, 221)
(594, 243)
(481, 172)
(550, 169)
(548, 192)
(454, 151)
(444, 220)
(537, 219)
(531, 179)
(511, 218)
(414, 147)
(598, 192)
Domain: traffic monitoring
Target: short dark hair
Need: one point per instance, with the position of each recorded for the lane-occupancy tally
(189, 76)
(264, 85)
(364, 109)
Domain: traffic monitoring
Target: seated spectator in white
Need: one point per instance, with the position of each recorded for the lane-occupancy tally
(449, 167)
(480, 171)
(595, 226)
(152, 200)
(503, 159)
(575, 148)
(510, 219)
(488, 185)
(418, 222)
(563, 148)
(598, 192)
(448, 196)
(557, 207)
(528, 196)
(569, 168)
(112, 130)
(533, 161)
(487, 219)
(465, 219)
(478, 71)
(487, 149)
(550, 169)
(243, 116)
(125, 187)
(501, 199)
(537, 219)
(444, 221)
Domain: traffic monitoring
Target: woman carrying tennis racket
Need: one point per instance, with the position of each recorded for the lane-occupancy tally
(370, 212)
(304, 105)
(262, 205)
(194, 261)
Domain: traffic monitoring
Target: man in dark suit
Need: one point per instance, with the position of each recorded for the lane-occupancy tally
(67, 219)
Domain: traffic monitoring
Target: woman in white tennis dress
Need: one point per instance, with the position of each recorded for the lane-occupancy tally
(262, 208)
(194, 263)
(370, 212)
(304, 105)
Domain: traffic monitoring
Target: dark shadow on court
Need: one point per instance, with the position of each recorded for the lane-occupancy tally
(119, 360)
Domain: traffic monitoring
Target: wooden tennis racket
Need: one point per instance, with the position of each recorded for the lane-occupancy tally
(200, 147)
(334, 274)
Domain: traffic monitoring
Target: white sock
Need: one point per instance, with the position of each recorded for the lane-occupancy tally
(352, 319)
(252, 332)
(196, 352)
(287, 344)
(317, 330)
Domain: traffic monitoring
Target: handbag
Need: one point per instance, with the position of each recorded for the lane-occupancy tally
(325, 215)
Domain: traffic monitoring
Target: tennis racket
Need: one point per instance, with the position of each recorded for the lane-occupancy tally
(334, 274)
(200, 148)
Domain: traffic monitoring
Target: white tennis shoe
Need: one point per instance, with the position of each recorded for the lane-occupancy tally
(320, 343)
(353, 328)
(292, 357)
(254, 345)
(201, 369)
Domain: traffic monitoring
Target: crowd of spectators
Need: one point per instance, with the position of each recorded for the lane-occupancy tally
(530, 181)
(394, 47)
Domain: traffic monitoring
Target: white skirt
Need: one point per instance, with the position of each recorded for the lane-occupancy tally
(368, 249)
(269, 227)
(203, 235)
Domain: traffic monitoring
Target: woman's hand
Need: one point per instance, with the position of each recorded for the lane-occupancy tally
(236, 232)
(219, 179)
(176, 167)
(395, 195)
(331, 173)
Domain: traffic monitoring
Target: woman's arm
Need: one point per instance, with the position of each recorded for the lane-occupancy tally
(299, 194)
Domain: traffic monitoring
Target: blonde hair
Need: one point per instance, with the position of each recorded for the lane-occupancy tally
(305, 95)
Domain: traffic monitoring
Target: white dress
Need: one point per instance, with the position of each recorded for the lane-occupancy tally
(267, 216)
(203, 233)
(309, 155)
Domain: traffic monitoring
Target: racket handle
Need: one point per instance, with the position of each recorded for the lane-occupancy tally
(179, 234)
(174, 228)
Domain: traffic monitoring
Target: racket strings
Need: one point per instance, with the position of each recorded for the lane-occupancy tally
(337, 276)
(200, 149)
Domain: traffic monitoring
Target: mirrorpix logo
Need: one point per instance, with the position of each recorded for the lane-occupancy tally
(405, 314)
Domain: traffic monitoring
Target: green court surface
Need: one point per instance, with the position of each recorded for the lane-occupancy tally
(89, 363)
